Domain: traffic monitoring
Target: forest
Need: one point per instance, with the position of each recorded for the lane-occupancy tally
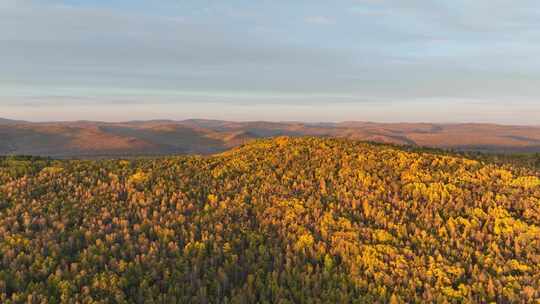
(283, 220)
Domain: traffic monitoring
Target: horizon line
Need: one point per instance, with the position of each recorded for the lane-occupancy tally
(23, 121)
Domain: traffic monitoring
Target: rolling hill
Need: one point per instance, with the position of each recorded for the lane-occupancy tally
(162, 137)
(10, 121)
(288, 220)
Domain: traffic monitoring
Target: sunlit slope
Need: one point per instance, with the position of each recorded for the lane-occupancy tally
(305, 220)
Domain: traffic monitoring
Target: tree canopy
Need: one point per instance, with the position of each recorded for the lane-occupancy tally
(288, 220)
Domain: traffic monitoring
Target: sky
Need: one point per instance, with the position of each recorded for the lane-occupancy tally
(280, 60)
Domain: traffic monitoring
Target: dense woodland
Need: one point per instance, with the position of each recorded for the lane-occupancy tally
(288, 220)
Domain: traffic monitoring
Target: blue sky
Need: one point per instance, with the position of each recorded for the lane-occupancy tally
(377, 60)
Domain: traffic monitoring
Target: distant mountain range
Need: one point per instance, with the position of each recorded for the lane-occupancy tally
(196, 136)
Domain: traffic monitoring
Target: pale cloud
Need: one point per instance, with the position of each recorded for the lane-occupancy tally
(321, 20)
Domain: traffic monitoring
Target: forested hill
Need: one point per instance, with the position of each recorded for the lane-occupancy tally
(305, 220)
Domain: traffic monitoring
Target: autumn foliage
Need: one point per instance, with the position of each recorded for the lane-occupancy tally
(289, 220)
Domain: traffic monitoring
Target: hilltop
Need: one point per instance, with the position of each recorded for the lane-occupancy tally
(166, 137)
(288, 220)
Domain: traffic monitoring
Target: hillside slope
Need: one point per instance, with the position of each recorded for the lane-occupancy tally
(98, 139)
(289, 220)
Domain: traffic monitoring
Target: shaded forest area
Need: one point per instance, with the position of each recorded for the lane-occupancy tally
(287, 220)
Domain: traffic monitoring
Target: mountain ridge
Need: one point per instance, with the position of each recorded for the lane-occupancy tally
(205, 136)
